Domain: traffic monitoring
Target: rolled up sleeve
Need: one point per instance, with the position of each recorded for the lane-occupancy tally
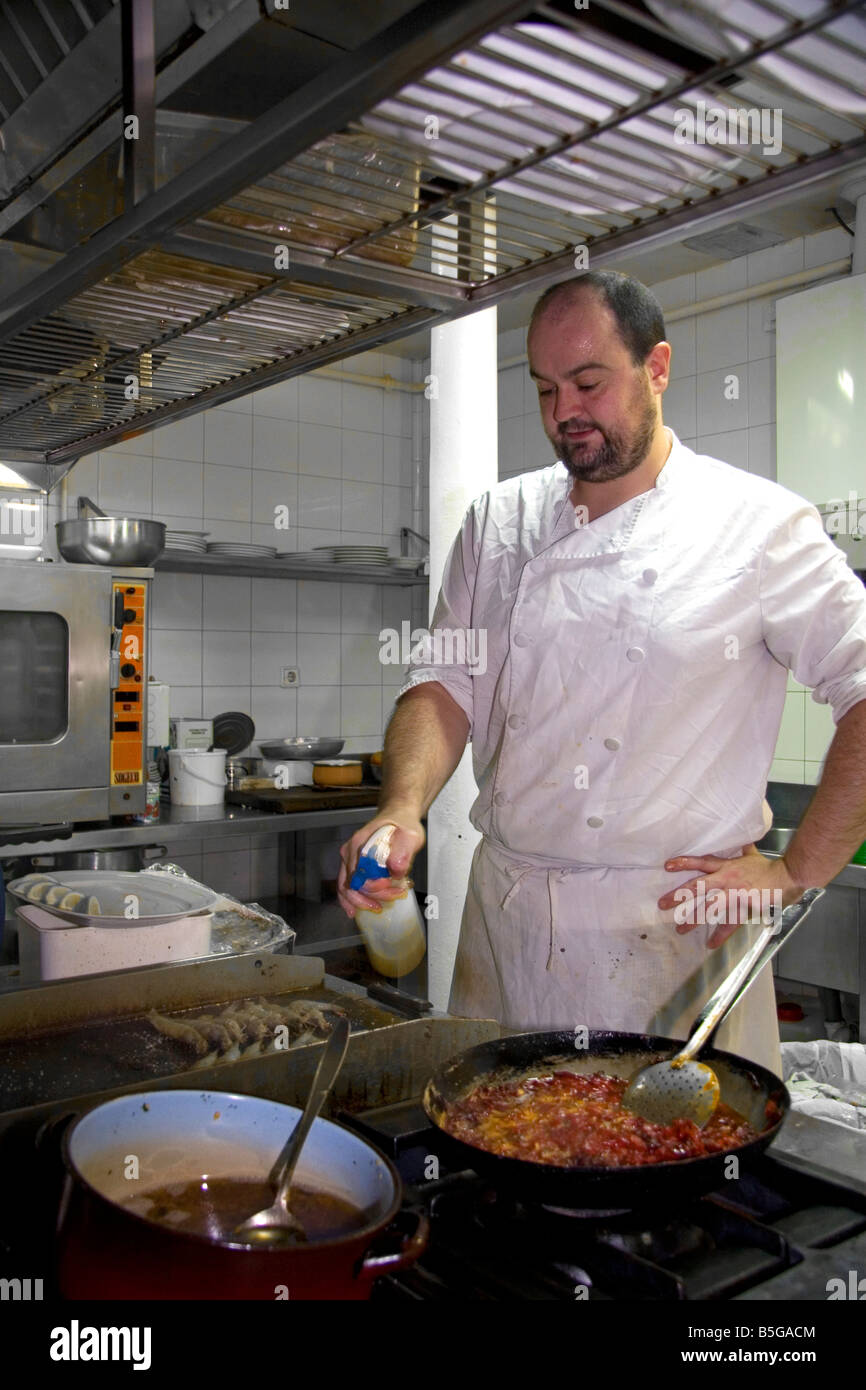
(814, 611)
(445, 653)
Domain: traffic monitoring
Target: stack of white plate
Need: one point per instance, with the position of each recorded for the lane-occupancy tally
(242, 550)
(194, 542)
(405, 562)
(323, 556)
(364, 555)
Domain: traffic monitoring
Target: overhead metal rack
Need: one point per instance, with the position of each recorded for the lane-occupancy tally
(462, 155)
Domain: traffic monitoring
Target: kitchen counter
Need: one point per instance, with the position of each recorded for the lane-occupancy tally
(777, 840)
(830, 952)
(178, 823)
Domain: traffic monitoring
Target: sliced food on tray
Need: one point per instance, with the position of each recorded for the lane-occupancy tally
(36, 891)
(249, 1028)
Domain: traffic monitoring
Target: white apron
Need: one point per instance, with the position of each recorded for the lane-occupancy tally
(543, 949)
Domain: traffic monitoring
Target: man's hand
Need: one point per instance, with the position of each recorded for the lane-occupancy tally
(408, 838)
(762, 883)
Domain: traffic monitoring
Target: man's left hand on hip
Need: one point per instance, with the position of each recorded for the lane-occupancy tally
(728, 892)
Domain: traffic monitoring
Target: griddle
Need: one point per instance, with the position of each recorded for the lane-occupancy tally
(105, 1054)
(68, 1045)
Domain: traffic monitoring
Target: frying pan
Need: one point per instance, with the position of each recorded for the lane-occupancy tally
(752, 1090)
(745, 1086)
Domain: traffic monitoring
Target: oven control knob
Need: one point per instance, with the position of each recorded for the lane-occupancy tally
(129, 615)
(127, 670)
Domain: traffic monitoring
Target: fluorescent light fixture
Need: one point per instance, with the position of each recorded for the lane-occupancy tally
(9, 478)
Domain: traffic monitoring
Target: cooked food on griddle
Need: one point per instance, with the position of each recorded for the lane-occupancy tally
(248, 1028)
(180, 1031)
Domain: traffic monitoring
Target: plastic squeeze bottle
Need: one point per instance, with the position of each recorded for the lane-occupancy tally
(394, 937)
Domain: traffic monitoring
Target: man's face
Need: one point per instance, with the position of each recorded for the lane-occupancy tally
(598, 409)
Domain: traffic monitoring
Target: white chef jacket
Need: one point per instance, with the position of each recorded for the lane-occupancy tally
(627, 713)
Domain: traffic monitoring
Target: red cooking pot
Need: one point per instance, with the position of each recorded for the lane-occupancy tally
(154, 1138)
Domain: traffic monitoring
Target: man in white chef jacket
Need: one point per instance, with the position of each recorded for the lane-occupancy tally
(641, 606)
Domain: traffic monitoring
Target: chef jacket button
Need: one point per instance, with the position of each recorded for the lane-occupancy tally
(516, 721)
(595, 822)
(635, 654)
(500, 799)
(650, 576)
(523, 639)
(613, 744)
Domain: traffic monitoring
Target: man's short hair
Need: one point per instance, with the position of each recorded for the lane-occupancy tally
(638, 314)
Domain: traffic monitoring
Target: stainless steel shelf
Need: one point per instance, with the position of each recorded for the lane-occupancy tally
(558, 132)
(285, 569)
(182, 823)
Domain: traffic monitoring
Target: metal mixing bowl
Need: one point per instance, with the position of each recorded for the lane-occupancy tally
(300, 749)
(110, 540)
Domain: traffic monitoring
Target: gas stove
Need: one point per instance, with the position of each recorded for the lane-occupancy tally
(782, 1231)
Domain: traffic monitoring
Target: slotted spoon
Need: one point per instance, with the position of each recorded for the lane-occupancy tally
(681, 1087)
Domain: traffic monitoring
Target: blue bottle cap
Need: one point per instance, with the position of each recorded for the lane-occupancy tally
(368, 867)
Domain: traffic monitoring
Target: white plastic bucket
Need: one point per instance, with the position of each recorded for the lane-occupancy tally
(198, 778)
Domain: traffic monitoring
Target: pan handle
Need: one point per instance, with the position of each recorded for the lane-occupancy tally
(412, 1247)
(747, 970)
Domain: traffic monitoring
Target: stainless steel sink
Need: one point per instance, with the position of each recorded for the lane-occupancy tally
(777, 840)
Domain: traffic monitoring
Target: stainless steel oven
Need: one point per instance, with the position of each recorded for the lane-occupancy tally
(73, 689)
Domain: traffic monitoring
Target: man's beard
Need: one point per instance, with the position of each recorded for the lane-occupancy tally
(619, 453)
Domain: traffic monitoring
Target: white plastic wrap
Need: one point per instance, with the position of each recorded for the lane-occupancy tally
(237, 927)
(827, 1080)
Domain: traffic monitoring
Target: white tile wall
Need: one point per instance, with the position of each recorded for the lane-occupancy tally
(338, 456)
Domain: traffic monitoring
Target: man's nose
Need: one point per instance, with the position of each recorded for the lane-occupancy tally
(567, 404)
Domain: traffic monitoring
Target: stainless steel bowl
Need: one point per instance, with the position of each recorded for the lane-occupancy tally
(301, 749)
(110, 540)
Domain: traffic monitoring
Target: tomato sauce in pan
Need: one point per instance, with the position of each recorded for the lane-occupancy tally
(580, 1121)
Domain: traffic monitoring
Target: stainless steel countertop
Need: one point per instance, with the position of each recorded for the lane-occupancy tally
(179, 823)
(776, 842)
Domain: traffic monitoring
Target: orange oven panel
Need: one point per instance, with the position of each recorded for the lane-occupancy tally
(128, 724)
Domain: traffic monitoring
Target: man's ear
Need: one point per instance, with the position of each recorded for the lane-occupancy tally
(658, 364)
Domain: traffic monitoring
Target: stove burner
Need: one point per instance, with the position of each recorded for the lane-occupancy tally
(775, 1233)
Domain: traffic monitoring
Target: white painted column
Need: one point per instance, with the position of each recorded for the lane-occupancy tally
(463, 464)
(855, 192)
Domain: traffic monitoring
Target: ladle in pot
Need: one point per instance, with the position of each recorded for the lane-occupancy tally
(275, 1224)
(682, 1088)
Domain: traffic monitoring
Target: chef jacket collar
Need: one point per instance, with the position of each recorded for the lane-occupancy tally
(667, 476)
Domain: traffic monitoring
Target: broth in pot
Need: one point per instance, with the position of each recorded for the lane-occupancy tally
(215, 1207)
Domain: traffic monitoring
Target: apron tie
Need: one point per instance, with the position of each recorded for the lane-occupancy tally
(516, 884)
(519, 876)
(549, 965)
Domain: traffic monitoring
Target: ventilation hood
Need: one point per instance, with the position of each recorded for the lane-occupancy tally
(305, 188)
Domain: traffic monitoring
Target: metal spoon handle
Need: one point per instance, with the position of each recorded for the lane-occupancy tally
(280, 1175)
(746, 971)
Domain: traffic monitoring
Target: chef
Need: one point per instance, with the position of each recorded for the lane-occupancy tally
(641, 606)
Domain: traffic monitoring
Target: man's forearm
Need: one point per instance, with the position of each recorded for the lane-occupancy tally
(424, 743)
(834, 825)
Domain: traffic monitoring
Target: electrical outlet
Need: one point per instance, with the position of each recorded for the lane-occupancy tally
(289, 676)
